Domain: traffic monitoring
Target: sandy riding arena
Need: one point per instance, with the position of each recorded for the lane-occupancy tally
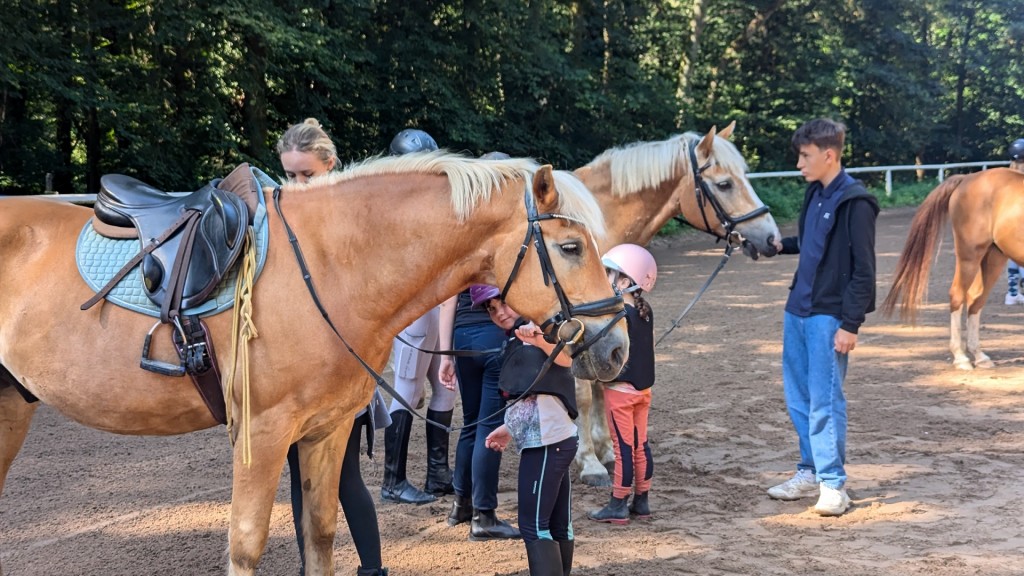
(934, 460)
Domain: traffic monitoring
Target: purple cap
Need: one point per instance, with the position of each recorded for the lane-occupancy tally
(480, 294)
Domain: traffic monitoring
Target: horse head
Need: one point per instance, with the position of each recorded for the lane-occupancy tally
(555, 277)
(722, 201)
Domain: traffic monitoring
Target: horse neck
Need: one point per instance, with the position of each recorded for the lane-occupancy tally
(384, 253)
(635, 217)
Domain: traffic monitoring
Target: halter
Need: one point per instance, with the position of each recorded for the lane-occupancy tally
(564, 327)
(705, 197)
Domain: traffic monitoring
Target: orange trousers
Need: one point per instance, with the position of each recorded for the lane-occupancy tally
(627, 420)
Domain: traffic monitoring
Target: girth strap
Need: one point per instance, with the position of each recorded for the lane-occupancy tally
(197, 354)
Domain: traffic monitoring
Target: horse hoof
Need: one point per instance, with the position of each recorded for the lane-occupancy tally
(599, 480)
(963, 365)
(986, 363)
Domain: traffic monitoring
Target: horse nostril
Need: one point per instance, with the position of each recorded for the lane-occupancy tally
(619, 356)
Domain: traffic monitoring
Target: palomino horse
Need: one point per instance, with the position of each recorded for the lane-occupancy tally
(384, 242)
(641, 187)
(986, 210)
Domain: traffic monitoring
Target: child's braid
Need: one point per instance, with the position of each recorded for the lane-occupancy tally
(641, 305)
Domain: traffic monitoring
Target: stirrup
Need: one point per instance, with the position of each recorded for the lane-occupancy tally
(159, 366)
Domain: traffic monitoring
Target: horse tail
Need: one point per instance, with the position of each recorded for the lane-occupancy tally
(910, 281)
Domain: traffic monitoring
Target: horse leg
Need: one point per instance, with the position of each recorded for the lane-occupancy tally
(253, 490)
(592, 472)
(320, 464)
(956, 347)
(963, 277)
(599, 432)
(15, 418)
(992, 266)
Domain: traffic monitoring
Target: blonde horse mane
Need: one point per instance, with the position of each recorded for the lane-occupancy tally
(472, 180)
(644, 165)
(577, 203)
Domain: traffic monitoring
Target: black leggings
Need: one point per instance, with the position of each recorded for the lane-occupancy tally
(545, 491)
(355, 499)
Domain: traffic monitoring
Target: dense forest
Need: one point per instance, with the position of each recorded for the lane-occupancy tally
(179, 91)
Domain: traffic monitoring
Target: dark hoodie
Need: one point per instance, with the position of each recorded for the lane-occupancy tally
(844, 284)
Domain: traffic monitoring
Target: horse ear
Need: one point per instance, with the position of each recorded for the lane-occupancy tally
(726, 133)
(707, 144)
(544, 191)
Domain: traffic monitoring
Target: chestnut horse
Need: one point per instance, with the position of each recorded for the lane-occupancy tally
(384, 241)
(641, 187)
(986, 210)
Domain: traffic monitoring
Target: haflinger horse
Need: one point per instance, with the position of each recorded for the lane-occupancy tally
(641, 187)
(986, 210)
(384, 241)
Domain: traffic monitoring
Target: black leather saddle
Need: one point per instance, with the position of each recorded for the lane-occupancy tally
(189, 241)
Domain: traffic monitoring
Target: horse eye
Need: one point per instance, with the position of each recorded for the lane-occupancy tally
(570, 248)
(724, 185)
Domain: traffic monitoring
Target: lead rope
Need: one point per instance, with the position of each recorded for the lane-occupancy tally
(707, 284)
(242, 331)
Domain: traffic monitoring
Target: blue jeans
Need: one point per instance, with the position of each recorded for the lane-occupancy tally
(476, 466)
(812, 378)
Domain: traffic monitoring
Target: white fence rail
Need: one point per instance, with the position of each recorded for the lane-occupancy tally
(940, 168)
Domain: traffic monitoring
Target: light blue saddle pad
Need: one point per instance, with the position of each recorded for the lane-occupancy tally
(99, 259)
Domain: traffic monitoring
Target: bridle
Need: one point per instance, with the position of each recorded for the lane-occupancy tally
(562, 329)
(565, 326)
(705, 198)
(731, 237)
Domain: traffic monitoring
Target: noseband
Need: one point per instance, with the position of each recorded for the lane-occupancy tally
(564, 327)
(705, 197)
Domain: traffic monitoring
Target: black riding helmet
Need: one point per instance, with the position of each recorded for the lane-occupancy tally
(412, 140)
(1017, 150)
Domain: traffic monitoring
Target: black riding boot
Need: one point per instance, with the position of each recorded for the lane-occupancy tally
(371, 572)
(462, 510)
(640, 506)
(567, 547)
(395, 487)
(486, 526)
(439, 475)
(616, 512)
(544, 557)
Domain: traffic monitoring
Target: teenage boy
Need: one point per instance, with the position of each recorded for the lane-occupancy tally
(832, 291)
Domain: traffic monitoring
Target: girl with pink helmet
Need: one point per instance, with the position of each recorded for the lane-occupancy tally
(632, 271)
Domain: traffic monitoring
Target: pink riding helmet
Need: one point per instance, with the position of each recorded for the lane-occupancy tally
(633, 261)
(480, 294)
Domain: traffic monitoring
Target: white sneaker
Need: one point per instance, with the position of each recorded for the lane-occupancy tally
(832, 502)
(1012, 299)
(801, 485)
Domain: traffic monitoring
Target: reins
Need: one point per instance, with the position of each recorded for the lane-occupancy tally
(559, 321)
(454, 353)
(704, 198)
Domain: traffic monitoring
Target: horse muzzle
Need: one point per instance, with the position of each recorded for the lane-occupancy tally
(605, 357)
(595, 335)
